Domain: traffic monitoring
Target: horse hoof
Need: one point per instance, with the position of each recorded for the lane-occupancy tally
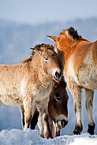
(91, 129)
(42, 135)
(77, 130)
(48, 136)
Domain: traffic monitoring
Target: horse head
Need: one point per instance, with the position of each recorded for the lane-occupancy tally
(49, 59)
(57, 107)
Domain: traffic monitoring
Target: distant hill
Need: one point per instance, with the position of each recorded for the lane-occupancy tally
(16, 39)
(15, 42)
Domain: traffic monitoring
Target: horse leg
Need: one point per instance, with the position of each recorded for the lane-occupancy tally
(0, 103)
(34, 120)
(77, 98)
(89, 95)
(47, 131)
(51, 127)
(57, 131)
(28, 112)
(22, 115)
(41, 125)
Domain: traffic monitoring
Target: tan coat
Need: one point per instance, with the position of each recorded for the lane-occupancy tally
(80, 70)
(29, 83)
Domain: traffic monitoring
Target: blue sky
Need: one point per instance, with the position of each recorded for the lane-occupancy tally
(42, 11)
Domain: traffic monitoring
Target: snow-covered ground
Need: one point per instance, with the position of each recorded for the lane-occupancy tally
(29, 137)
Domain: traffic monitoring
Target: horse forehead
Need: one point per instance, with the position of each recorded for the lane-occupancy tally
(50, 51)
(60, 92)
(63, 95)
(50, 54)
(59, 89)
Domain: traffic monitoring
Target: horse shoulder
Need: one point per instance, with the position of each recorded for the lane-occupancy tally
(77, 60)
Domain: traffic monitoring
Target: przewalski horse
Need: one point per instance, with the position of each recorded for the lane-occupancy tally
(57, 107)
(57, 116)
(29, 84)
(80, 71)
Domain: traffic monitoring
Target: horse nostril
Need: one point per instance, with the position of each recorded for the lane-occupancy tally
(64, 123)
(58, 75)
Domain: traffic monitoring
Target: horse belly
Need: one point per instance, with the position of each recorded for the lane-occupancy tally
(9, 95)
(10, 100)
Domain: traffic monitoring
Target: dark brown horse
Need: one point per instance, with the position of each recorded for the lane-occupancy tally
(80, 71)
(57, 107)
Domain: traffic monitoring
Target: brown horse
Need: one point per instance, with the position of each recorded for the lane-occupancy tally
(29, 83)
(80, 71)
(57, 111)
(57, 107)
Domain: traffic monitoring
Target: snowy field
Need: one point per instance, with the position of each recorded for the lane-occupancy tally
(29, 137)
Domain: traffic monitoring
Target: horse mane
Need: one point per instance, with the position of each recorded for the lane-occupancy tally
(73, 33)
(28, 59)
(48, 46)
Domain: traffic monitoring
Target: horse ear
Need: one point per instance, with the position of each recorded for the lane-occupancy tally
(32, 49)
(54, 38)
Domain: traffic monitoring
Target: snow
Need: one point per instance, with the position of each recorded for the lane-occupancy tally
(29, 137)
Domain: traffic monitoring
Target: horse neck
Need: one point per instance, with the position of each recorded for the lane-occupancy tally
(67, 46)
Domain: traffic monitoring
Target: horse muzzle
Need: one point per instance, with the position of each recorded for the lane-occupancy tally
(57, 74)
(61, 124)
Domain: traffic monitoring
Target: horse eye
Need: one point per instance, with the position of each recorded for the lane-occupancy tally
(46, 58)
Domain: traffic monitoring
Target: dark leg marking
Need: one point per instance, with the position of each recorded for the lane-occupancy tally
(34, 120)
(78, 129)
(91, 129)
(57, 133)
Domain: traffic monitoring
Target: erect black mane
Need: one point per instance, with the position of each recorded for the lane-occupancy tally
(44, 45)
(29, 59)
(74, 33)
